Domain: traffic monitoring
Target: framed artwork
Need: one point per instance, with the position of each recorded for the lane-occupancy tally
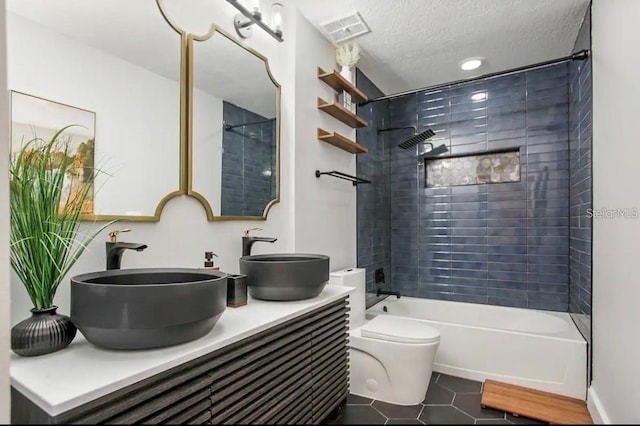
(34, 117)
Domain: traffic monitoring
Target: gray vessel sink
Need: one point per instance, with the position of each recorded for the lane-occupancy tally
(147, 308)
(285, 276)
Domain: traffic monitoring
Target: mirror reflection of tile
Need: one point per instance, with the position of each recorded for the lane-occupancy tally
(497, 167)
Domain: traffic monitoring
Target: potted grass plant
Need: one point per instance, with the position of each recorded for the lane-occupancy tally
(45, 216)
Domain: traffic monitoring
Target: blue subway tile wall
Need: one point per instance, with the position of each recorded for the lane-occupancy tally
(580, 107)
(373, 211)
(248, 163)
(503, 244)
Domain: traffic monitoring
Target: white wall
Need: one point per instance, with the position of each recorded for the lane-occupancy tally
(4, 226)
(325, 207)
(207, 146)
(615, 390)
(137, 112)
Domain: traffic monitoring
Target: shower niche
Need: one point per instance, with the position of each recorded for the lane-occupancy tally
(475, 169)
(340, 85)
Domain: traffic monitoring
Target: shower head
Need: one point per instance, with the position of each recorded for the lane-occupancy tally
(416, 139)
(440, 149)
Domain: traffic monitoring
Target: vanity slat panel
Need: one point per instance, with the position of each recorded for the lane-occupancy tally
(329, 367)
(328, 395)
(293, 410)
(338, 342)
(200, 419)
(177, 408)
(191, 412)
(330, 361)
(252, 372)
(322, 410)
(305, 419)
(166, 399)
(229, 409)
(276, 376)
(286, 394)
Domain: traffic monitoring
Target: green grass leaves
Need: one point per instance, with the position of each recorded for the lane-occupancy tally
(45, 216)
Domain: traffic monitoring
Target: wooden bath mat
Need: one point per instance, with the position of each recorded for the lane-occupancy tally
(535, 404)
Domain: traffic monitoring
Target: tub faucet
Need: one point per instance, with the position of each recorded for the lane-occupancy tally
(248, 241)
(380, 292)
(116, 248)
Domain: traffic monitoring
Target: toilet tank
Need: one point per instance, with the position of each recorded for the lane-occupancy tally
(353, 277)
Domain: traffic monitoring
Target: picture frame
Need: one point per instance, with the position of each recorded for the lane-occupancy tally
(37, 117)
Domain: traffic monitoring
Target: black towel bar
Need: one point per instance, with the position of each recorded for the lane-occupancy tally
(340, 175)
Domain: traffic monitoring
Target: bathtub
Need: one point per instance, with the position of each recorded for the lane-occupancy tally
(537, 349)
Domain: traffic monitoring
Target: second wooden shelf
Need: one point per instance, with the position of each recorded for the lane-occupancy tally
(341, 113)
(342, 142)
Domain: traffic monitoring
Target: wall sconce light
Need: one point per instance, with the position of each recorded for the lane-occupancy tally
(276, 18)
(244, 21)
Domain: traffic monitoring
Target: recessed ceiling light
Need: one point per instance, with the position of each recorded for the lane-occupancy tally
(480, 96)
(470, 64)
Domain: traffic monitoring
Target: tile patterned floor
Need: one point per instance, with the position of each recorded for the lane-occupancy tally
(449, 400)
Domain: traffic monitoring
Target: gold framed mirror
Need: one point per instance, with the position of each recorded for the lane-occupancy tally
(118, 68)
(233, 128)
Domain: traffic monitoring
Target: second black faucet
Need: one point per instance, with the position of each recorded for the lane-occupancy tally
(248, 241)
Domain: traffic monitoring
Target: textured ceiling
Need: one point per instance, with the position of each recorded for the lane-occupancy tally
(419, 43)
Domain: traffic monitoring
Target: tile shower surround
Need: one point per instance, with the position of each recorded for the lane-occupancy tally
(374, 220)
(247, 190)
(502, 244)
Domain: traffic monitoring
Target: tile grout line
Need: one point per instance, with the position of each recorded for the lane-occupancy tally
(421, 411)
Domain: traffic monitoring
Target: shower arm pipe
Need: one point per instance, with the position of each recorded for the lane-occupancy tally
(580, 55)
(230, 127)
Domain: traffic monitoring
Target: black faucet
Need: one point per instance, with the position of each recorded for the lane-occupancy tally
(392, 293)
(116, 248)
(248, 241)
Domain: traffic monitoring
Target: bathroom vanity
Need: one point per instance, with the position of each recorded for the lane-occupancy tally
(266, 362)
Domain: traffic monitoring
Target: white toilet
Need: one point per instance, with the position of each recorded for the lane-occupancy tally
(390, 358)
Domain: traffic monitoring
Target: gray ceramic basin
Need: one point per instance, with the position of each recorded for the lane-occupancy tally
(285, 276)
(147, 308)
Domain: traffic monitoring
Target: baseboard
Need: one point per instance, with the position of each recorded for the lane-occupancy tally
(594, 405)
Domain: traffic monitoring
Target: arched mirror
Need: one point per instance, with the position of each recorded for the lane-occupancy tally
(115, 67)
(234, 125)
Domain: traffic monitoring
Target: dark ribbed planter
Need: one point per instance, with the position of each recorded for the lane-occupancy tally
(44, 332)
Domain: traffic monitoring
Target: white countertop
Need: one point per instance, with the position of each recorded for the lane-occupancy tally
(82, 372)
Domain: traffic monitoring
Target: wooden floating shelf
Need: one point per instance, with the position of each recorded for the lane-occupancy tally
(342, 142)
(533, 403)
(341, 113)
(339, 83)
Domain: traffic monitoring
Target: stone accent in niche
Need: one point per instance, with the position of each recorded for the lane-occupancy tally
(491, 167)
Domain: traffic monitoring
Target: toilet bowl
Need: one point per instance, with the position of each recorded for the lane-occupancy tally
(390, 358)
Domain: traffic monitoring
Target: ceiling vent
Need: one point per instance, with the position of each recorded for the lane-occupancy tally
(345, 28)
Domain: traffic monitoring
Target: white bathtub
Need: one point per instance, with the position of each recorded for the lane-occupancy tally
(537, 349)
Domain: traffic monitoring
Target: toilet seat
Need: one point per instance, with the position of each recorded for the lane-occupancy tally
(400, 330)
